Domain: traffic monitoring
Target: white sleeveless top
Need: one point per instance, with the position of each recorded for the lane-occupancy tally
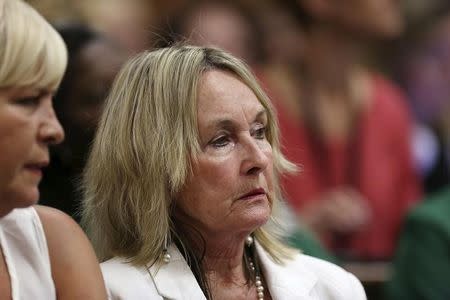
(25, 250)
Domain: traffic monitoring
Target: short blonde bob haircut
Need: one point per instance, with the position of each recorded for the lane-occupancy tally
(143, 147)
(32, 53)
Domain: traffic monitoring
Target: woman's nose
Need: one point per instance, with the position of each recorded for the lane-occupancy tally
(51, 131)
(255, 159)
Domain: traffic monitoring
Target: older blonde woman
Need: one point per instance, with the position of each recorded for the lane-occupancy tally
(43, 254)
(181, 181)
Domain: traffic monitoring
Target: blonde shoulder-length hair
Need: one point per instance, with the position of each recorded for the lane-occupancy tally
(32, 53)
(140, 155)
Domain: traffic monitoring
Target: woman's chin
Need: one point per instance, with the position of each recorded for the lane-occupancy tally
(257, 218)
(25, 198)
(18, 200)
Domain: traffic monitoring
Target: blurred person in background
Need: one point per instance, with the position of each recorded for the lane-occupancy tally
(352, 135)
(422, 67)
(226, 25)
(127, 22)
(281, 73)
(94, 60)
(43, 253)
(422, 261)
(284, 44)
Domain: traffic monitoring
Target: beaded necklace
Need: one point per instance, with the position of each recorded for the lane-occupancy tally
(254, 268)
(252, 264)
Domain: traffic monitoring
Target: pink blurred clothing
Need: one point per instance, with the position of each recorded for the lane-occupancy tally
(377, 163)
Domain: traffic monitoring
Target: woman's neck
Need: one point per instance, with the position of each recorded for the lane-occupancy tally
(224, 257)
(226, 272)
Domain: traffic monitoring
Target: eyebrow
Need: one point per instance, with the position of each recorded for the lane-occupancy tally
(261, 114)
(229, 124)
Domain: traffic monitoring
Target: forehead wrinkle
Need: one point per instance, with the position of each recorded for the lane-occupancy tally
(252, 117)
(222, 124)
(220, 108)
(229, 123)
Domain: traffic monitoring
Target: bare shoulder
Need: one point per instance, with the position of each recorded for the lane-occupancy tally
(50, 216)
(62, 232)
(75, 268)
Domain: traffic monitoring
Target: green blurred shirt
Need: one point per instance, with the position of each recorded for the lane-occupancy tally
(422, 262)
(309, 245)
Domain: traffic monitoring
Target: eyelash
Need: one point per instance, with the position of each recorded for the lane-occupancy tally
(29, 101)
(260, 132)
(35, 100)
(220, 142)
(223, 140)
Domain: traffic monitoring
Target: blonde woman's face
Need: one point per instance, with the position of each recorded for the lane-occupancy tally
(28, 125)
(232, 183)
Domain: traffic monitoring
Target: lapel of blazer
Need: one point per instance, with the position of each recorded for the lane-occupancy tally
(175, 280)
(289, 281)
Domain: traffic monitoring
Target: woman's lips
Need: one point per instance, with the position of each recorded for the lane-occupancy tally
(36, 168)
(34, 171)
(253, 194)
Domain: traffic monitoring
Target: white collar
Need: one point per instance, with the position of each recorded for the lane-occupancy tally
(175, 279)
(292, 280)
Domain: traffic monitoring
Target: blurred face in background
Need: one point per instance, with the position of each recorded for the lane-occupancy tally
(426, 74)
(128, 22)
(375, 18)
(222, 26)
(284, 38)
(28, 125)
(97, 65)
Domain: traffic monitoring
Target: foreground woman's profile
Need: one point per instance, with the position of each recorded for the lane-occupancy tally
(181, 181)
(44, 254)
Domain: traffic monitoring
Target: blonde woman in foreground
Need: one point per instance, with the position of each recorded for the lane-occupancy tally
(181, 181)
(44, 254)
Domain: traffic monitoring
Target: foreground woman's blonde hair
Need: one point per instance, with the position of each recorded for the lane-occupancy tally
(141, 154)
(32, 53)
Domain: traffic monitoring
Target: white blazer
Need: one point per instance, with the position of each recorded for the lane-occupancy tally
(303, 278)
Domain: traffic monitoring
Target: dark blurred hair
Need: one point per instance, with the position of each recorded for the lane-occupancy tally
(173, 32)
(76, 36)
(298, 10)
